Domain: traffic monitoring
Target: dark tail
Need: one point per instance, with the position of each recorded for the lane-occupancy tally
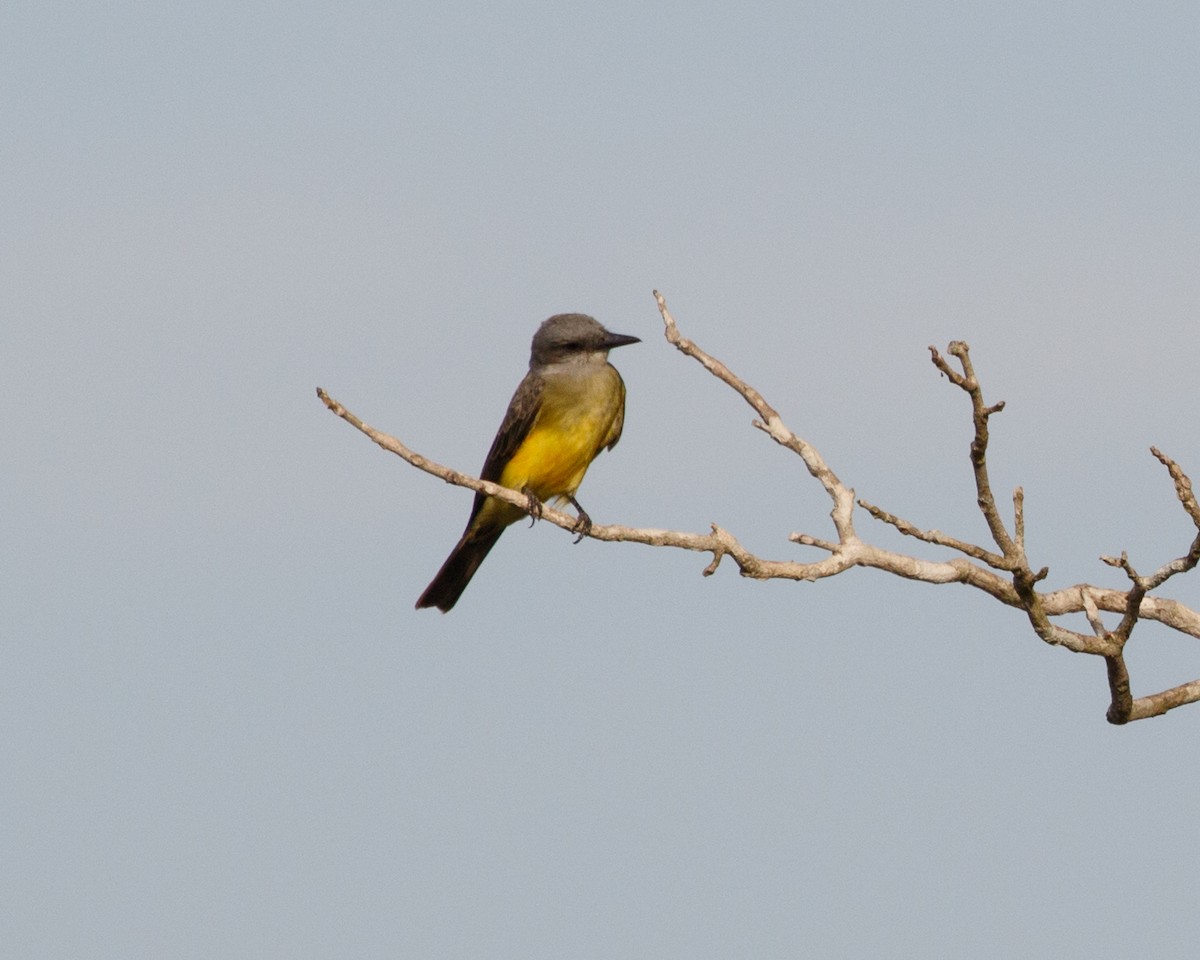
(459, 568)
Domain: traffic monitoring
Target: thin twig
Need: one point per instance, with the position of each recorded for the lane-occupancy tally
(1017, 588)
(993, 560)
(772, 424)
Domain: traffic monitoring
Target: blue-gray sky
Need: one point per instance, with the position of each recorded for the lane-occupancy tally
(227, 733)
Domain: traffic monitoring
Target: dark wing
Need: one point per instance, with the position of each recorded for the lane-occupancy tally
(614, 432)
(521, 413)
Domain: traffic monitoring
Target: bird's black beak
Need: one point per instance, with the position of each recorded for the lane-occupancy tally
(613, 340)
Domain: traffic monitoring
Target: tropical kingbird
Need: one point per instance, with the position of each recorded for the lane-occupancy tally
(569, 407)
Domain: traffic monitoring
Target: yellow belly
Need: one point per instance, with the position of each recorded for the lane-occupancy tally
(576, 419)
(553, 459)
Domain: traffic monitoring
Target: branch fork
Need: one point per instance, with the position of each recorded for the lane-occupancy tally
(1002, 570)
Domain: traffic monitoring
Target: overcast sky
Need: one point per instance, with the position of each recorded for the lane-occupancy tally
(226, 731)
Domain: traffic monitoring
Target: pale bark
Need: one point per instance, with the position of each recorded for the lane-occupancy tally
(1001, 569)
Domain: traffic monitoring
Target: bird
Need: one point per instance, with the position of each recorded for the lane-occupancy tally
(569, 407)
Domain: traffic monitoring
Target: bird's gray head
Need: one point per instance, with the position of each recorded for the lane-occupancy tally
(570, 336)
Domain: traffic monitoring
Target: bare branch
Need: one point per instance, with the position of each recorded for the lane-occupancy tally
(980, 413)
(1013, 549)
(772, 424)
(1157, 704)
(1092, 611)
(1183, 485)
(719, 542)
(1006, 575)
(1118, 684)
(1019, 520)
(993, 560)
(1133, 604)
(1170, 613)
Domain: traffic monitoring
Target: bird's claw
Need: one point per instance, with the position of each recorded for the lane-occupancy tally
(533, 506)
(583, 526)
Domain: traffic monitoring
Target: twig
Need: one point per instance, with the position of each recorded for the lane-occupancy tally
(1005, 575)
(993, 560)
(772, 424)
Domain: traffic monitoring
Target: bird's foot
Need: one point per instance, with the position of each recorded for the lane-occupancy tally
(532, 505)
(583, 526)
